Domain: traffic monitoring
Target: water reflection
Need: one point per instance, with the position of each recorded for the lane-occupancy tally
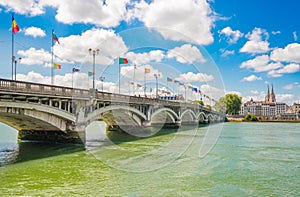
(8, 153)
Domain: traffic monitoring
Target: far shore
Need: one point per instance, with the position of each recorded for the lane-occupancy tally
(242, 120)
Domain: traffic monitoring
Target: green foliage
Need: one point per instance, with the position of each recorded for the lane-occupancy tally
(250, 117)
(198, 102)
(232, 103)
(208, 106)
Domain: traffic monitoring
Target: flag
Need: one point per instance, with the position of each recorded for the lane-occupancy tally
(181, 83)
(54, 37)
(14, 27)
(132, 83)
(195, 90)
(90, 74)
(76, 70)
(134, 66)
(123, 60)
(147, 70)
(199, 91)
(138, 85)
(175, 81)
(169, 79)
(56, 66)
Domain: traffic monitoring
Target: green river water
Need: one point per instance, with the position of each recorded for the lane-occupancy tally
(248, 159)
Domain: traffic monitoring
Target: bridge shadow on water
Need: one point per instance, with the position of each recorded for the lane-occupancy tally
(27, 151)
(119, 136)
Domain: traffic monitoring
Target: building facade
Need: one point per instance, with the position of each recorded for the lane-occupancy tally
(267, 108)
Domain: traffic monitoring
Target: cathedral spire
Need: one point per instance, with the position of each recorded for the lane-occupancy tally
(272, 89)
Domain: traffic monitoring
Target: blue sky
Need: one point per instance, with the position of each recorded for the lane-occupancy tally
(216, 46)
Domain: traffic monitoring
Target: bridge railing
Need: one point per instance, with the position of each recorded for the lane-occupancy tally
(28, 87)
(45, 89)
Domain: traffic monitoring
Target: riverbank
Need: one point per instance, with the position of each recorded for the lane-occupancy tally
(279, 121)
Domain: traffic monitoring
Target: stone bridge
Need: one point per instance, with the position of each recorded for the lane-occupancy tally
(61, 114)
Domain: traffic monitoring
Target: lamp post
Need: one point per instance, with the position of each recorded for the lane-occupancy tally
(15, 61)
(102, 79)
(156, 76)
(94, 53)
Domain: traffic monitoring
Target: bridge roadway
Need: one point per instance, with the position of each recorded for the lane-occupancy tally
(53, 113)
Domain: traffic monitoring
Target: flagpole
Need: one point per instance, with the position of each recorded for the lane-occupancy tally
(119, 76)
(133, 90)
(52, 68)
(12, 49)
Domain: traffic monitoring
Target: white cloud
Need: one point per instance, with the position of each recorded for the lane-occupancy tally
(187, 20)
(79, 80)
(30, 7)
(254, 92)
(34, 32)
(144, 58)
(90, 12)
(286, 98)
(232, 35)
(194, 77)
(288, 69)
(225, 53)
(276, 32)
(260, 64)
(75, 47)
(186, 54)
(108, 14)
(252, 78)
(295, 36)
(257, 42)
(292, 86)
(291, 53)
(34, 56)
(128, 72)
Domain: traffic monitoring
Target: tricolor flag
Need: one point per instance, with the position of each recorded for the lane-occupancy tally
(54, 37)
(147, 70)
(75, 70)
(169, 79)
(123, 60)
(90, 74)
(14, 27)
(56, 66)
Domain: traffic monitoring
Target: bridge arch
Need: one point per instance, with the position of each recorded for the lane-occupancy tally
(55, 117)
(171, 114)
(194, 117)
(95, 115)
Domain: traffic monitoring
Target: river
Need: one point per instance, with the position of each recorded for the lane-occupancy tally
(248, 159)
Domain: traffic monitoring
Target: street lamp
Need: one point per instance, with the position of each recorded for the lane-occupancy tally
(156, 76)
(94, 53)
(102, 79)
(15, 61)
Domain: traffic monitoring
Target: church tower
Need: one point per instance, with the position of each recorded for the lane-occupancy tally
(268, 95)
(272, 96)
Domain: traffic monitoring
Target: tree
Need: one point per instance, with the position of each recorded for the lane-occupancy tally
(208, 106)
(250, 117)
(232, 103)
(198, 102)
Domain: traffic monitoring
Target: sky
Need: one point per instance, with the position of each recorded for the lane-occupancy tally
(215, 46)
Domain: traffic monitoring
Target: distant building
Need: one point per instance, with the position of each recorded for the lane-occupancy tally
(267, 108)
